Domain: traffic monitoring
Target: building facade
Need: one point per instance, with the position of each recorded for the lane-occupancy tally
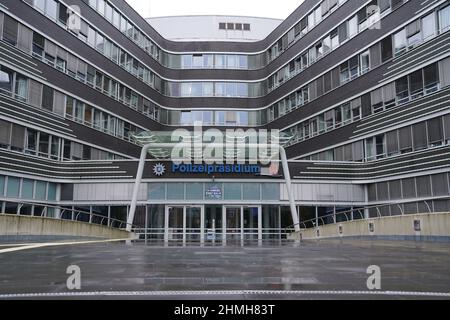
(363, 86)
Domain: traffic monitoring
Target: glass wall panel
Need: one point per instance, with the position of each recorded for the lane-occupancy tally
(156, 191)
(233, 191)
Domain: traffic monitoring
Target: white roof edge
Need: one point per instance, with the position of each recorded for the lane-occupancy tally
(213, 15)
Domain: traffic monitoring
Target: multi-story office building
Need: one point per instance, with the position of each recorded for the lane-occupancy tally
(363, 86)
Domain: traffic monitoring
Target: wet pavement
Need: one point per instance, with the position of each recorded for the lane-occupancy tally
(280, 270)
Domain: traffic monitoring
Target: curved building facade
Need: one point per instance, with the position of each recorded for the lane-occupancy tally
(363, 86)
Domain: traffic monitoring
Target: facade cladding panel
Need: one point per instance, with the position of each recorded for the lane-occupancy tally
(370, 120)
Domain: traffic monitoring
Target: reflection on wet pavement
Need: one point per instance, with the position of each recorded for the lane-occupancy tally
(324, 265)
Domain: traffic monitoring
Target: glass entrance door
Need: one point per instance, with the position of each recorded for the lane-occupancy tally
(233, 223)
(242, 223)
(194, 223)
(184, 224)
(252, 223)
(174, 224)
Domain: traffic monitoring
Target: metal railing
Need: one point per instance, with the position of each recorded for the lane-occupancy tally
(71, 214)
(363, 213)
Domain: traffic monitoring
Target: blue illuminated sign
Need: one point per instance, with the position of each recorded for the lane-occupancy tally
(216, 168)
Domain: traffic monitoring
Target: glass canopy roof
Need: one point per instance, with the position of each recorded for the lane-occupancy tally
(233, 143)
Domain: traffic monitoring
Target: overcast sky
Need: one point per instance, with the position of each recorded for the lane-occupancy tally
(259, 8)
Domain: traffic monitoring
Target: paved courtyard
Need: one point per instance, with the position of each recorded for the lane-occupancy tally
(278, 270)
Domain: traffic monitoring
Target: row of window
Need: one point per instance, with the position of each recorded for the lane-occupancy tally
(415, 85)
(347, 71)
(234, 26)
(327, 121)
(43, 49)
(192, 61)
(21, 188)
(420, 136)
(340, 75)
(39, 95)
(411, 188)
(201, 191)
(305, 25)
(105, 9)
(214, 61)
(423, 30)
(18, 138)
(173, 61)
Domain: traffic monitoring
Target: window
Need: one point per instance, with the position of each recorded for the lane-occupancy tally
(376, 97)
(416, 84)
(419, 136)
(392, 145)
(59, 103)
(431, 78)
(21, 87)
(35, 93)
(25, 38)
(380, 147)
(222, 26)
(343, 33)
(405, 139)
(13, 187)
(109, 12)
(47, 98)
(435, 132)
(231, 62)
(51, 9)
(344, 73)
(402, 90)
(413, 33)
(311, 22)
(246, 26)
(6, 80)
(386, 49)
(429, 26)
(444, 19)
(116, 19)
(400, 41)
(44, 144)
(230, 26)
(220, 61)
(389, 95)
(444, 72)
(99, 42)
(353, 26)
(365, 61)
(10, 27)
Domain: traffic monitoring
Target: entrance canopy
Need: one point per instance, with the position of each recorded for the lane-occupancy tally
(248, 144)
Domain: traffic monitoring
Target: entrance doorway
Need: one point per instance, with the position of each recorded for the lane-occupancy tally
(242, 223)
(184, 224)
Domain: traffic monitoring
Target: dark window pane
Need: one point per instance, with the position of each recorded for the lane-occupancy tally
(386, 49)
(416, 84)
(10, 28)
(420, 136)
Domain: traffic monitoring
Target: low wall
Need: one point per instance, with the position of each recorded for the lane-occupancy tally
(25, 227)
(431, 227)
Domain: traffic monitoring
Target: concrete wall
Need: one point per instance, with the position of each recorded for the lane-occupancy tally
(16, 226)
(433, 226)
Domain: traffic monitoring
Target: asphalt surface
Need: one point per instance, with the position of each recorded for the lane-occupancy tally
(326, 269)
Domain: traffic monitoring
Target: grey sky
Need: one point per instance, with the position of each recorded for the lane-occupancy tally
(258, 8)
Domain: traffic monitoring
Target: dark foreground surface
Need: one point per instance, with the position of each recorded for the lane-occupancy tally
(326, 269)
